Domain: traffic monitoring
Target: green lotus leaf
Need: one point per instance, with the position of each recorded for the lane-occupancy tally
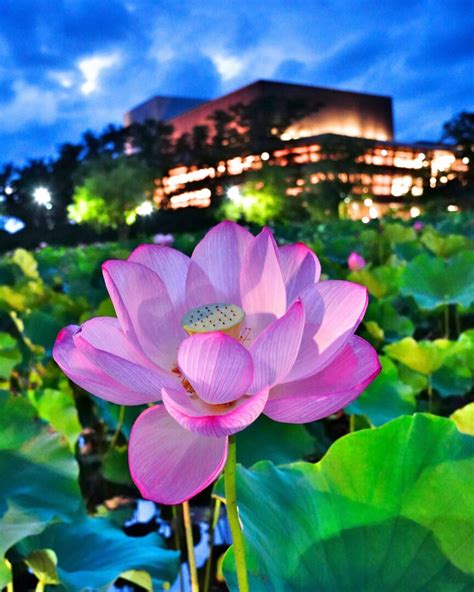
(380, 281)
(26, 262)
(394, 325)
(278, 442)
(93, 552)
(386, 398)
(115, 465)
(396, 233)
(386, 509)
(445, 246)
(17, 421)
(422, 356)
(10, 355)
(58, 408)
(434, 282)
(464, 419)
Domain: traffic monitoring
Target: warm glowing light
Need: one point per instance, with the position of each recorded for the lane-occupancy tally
(233, 193)
(414, 212)
(264, 156)
(384, 152)
(145, 208)
(42, 196)
(443, 179)
(221, 168)
(422, 155)
(401, 185)
(368, 202)
(365, 219)
(465, 160)
(201, 198)
(452, 208)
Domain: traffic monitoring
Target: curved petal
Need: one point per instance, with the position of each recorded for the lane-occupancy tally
(103, 342)
(213, 421)
(125, 389)
(172, 268)
(168, 464)
(144, 310)
(300, 268)
(261, 281)
(275, 349)
(328, 391)
(219, 254)
(333, 311)
(218, 367)
(199, 289)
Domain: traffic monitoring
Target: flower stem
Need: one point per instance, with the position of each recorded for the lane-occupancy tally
(118, 427)
(430, 395)
(212, 526)
(352, 423)
(177, 543)
(446, 321)
(188, 528)
(233, 517)
(40, 586)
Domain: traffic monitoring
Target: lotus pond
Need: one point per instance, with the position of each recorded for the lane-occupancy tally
(376, 497)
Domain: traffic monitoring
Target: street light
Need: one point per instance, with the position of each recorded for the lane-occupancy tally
(145, 208)
(42, 197)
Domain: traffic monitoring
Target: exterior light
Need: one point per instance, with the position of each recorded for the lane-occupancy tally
(414, 212)
(233, 193)
(384, 152)
(421, 155)
(368, 202)
(42, 196)
(373, 212)
(145, 208)
(452, 208)
(443, 179)
(9, 190)
(465, 160)
(264, 156)
(365, 219)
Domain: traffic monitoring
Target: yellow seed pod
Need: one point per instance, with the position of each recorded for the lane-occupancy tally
(226, 318)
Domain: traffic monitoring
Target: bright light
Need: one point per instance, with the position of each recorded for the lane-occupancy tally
(264, 156)
(11, 224)
(347, 200)
(233, 193)
(452, 208)
(373, 212)
(145, 208)
(443, 179)
(365, 219)
(384, 152)
(421, 155)
(414, 212)
(368, 202)
(42, 196)
(465, 160)
(8, 190)
(221, 168)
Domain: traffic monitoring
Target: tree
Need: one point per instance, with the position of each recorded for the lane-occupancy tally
(460, 130)
(109, 193)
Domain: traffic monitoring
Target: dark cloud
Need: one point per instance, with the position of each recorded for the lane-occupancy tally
(69, 65)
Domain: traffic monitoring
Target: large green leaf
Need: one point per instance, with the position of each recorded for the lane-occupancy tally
(17, 421)
(445, 246)
(434, 282)
(387, 509)
(386, 398)
(380, 282)
(394, 325)
(93, 552)
(270, 440)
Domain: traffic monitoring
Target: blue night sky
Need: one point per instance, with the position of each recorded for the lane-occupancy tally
(71, 65)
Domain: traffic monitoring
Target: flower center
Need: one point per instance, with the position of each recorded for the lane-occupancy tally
(226, 318)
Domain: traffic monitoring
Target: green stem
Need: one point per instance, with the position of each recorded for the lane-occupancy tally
(10, 584)
(233, 517)
(177, 543)
(430, 394)
(352, 423)
(457, 320)
(40, 586)
(446, 321)
(118, 427)
(212, 527)
(188, 529)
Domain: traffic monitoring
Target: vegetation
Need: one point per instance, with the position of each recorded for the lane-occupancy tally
(67, 501)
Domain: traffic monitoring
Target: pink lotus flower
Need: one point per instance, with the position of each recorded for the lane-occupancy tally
(165, 240)
(282, 344)
(418, 226)
(356, 261)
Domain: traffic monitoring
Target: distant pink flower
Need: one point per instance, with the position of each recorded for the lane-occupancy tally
(356, 261)
(165, 240)
(282, 344)
(418, 226)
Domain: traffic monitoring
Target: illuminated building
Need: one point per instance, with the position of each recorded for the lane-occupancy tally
(333, 122)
